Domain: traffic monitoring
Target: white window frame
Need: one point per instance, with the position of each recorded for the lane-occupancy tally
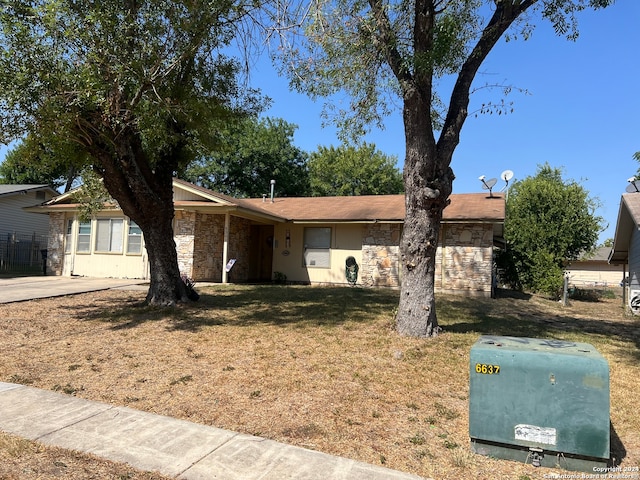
(111, 240)
(68, 237)
(81, 242)
(137, 237)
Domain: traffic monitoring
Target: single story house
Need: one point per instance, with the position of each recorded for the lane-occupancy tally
(626, 243)
(594, 270)
(307, 240)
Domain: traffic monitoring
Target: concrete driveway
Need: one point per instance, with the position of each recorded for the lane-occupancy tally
(19, 289)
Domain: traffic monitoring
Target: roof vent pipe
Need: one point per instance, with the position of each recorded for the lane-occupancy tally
(273, 186)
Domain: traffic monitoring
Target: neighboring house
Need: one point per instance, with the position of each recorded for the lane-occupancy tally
(15, 220)
(22, 234)
(594, 270)
(626, 242)
(305, 239)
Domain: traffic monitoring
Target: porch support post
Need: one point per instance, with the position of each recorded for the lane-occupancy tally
(225, 247)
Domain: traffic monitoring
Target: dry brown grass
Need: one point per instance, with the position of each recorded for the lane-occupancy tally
(316, 367)
(21, 459)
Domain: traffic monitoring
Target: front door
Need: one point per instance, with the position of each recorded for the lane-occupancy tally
(261, 259)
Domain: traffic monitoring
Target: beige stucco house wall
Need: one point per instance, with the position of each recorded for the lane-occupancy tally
(594, 270)
(289, 252)
(305, 239)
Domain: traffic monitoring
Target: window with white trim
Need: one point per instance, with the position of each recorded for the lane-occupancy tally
(109, 235)
(134, 238)
(68, 236)
(317, 247)
(84, 237)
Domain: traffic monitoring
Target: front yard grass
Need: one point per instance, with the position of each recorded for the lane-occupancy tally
(320, 368)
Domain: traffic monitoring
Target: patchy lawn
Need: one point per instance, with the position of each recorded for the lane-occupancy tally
(321, 368)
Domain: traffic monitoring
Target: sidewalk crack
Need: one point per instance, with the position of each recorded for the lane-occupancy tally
(110, 407)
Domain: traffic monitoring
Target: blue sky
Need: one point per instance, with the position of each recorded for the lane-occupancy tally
(581, 113)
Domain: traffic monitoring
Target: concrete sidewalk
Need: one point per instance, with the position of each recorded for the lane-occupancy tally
(172, 447)
(19, 289)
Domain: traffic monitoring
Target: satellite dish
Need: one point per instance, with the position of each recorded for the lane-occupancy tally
(633, 187)
(506, 176)
(489, 184)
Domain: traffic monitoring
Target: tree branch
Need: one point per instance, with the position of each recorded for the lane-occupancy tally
(505, 14)
(388, 40)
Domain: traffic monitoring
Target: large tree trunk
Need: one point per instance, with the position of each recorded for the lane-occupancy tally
(146, 196)
(166, 285)
(428, 177)
(428, 183)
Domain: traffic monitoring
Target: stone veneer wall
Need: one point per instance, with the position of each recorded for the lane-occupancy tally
(183, 235)
(207, 253)
(239, 248)
(55, 244)
(380, 255)
(209, 241)
(465, 264)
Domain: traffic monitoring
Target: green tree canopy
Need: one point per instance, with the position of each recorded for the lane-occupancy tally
(33, 161)
(607, 243)
(349, 170)
(549, 221)
(141, 87)
(254, 152)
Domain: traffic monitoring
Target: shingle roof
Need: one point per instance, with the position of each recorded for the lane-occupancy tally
(463, 207)
(387, 208)
(6, 189)
(600, 254)
(632, 202)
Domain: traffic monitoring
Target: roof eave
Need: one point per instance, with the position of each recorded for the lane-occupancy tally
(343, 220)
(219, 208)
(622, 237)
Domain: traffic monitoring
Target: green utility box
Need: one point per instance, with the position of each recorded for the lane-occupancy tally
(544, 402)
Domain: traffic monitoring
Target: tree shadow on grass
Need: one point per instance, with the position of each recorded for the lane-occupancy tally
(303, 306)
(300, 306)
(517, 318)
